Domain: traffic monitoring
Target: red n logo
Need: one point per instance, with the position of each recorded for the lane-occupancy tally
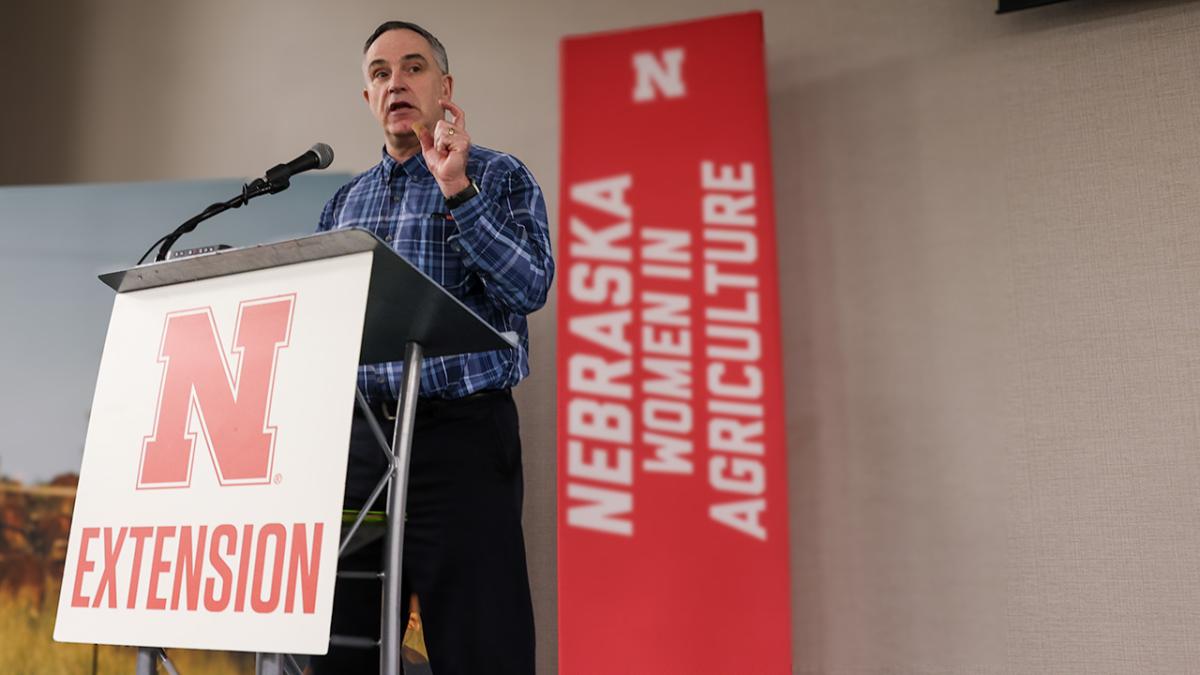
(230, 405)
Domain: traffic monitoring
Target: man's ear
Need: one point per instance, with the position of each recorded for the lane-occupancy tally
(448, 87)
(366, 97)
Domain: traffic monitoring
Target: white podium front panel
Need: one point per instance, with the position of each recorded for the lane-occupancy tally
(210, 494)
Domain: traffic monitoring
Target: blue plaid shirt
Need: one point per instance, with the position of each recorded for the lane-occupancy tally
(492, 253)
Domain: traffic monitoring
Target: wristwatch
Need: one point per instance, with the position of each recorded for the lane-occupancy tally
(462, 196)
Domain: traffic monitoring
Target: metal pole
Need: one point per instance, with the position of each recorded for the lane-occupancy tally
(392, 621)
(268, 664)
(147, 661)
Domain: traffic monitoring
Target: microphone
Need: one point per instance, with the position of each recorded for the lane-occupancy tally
(319, 156)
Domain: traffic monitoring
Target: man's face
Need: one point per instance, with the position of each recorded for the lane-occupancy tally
(404, 82)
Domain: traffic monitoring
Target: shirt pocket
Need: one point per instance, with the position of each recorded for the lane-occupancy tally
(426, 243)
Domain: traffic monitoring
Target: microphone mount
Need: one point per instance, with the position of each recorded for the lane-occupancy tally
(255, 188)
(277, 179)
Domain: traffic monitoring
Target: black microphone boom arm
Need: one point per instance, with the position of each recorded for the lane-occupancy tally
(277, 179)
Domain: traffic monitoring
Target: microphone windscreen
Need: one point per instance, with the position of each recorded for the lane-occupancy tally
(324, 154)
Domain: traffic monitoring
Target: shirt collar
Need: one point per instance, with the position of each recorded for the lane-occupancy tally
(414, 167)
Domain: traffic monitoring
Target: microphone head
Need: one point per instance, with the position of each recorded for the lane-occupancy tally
(324, 154)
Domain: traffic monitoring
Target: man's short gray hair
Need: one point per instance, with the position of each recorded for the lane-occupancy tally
(439, 52)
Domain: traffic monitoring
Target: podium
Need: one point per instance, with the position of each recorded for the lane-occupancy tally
(239, 552)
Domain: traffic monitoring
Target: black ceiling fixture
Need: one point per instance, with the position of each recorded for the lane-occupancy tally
(1014, 5)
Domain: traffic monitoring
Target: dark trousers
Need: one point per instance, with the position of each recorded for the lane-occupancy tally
(464, 550)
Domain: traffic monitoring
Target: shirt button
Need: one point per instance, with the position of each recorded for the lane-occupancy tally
(455, 247)
(395, 198)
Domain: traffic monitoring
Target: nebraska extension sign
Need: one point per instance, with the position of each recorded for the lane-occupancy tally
(210, 494)
(672, 491)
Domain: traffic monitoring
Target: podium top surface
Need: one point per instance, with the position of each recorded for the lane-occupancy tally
(244, 259)
(404, 305)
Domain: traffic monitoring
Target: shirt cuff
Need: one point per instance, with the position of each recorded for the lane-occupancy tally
(467, 219)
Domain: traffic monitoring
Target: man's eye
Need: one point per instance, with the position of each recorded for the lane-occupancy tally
(380, 73)
(414, 69)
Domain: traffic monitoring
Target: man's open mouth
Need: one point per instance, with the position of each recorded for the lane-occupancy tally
(400, 105)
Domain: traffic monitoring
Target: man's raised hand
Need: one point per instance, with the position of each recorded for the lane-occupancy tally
(446, 148)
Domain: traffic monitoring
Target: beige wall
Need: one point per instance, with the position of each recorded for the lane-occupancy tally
(990, 258)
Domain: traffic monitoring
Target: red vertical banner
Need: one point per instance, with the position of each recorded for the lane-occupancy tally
(672, 484)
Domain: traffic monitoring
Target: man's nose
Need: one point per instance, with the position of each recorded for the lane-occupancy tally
(396, 83)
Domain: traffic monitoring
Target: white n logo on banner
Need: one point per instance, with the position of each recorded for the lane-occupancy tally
(659, 74)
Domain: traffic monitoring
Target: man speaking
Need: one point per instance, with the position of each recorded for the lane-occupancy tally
(474, 220)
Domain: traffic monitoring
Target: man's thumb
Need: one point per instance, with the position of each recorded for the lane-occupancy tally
(423, 136)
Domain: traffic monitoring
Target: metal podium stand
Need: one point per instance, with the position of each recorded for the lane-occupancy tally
(408, 317)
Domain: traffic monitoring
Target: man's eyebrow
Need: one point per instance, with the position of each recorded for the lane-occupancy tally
(406, 57)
